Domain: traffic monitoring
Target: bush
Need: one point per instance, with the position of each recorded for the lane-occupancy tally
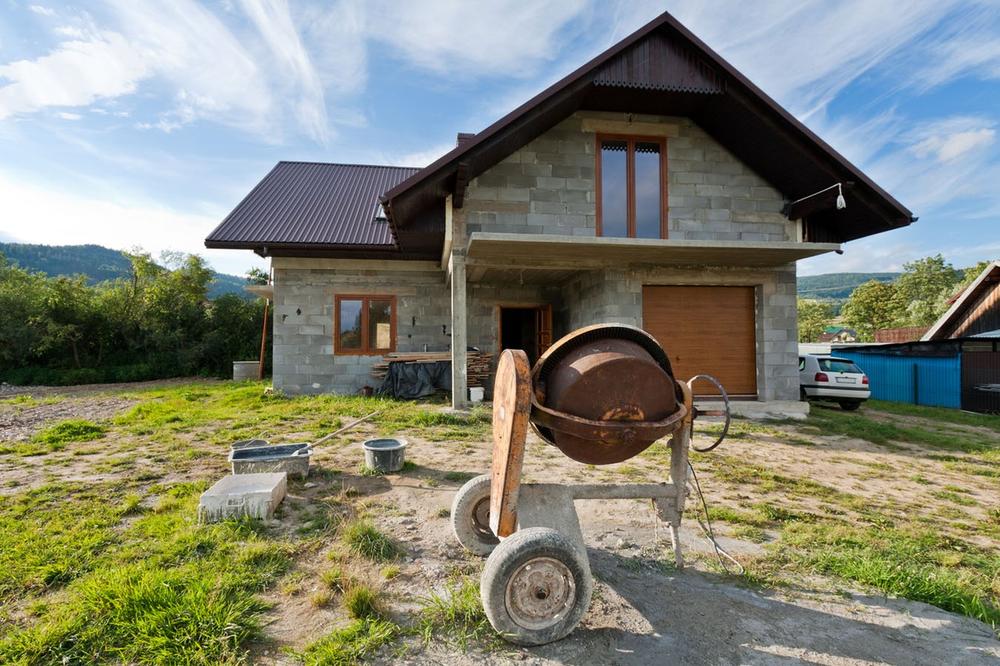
(157, 323)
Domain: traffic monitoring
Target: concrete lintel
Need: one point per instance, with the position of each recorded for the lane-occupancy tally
(541, 248)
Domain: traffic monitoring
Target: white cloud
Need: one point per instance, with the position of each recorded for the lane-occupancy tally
(77, 73)
(35, 213)
(335, 35)
(949, 139)
(41, 10)
(418, 158)
(274, 22)
(455, 37)
(69, 31)
(805, 53)
(212, 75)
(65, 115)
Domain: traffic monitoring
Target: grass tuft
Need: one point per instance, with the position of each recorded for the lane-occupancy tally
(457, 614)
(364, 539)
(357, 641)
(362, 602)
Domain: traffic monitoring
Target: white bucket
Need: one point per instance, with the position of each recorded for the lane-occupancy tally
(477, 393)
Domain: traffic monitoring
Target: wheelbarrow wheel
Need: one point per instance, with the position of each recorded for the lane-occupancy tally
(536, 587)
(470, 516)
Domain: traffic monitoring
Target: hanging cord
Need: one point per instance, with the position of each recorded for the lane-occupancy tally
(706, 528)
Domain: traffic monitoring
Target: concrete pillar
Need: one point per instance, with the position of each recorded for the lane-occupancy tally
(459, 341)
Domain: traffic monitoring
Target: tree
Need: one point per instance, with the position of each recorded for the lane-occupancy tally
(970, 274)
(814, 316)
(925, 287)
(257, 276)
(873, 306)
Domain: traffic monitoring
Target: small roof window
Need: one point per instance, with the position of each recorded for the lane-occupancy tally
(380, 215)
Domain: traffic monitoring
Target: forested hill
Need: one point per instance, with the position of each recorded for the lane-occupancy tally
(97, 263)
(837, 285)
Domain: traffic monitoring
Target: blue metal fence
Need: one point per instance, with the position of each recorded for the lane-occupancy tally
(919, 380)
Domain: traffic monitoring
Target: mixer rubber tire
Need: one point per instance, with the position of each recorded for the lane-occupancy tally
(470, 513)
(536, 587)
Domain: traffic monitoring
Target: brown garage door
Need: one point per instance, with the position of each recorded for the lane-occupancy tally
(706, 330)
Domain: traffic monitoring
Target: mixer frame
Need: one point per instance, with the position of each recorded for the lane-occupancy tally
(537, 582)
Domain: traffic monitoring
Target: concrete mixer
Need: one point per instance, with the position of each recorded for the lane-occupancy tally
(601, 395)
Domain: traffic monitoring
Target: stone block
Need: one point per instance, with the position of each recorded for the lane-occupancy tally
(243, 495)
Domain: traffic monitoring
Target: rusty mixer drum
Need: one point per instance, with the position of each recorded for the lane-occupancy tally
(604, 393)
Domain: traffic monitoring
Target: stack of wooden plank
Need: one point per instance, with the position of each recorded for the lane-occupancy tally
(478, 364)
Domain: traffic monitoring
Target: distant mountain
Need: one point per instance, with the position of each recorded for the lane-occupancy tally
(838, 286)
(98, 264)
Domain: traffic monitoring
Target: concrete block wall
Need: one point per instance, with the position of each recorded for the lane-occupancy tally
(483, 299)
(548, 187)
(303, 325)
(615, 296)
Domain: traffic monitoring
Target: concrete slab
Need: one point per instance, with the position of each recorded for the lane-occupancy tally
(760, 409)
(236, 496)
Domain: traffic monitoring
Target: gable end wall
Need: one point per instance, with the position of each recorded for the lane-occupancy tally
(548, 187)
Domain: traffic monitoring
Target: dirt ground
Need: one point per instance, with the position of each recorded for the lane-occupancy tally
(643, 611)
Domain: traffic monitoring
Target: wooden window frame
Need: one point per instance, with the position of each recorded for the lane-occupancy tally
(365, 349)
(631, 140)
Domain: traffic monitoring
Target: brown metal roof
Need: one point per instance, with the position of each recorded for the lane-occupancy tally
(663, 68)
(314, 204)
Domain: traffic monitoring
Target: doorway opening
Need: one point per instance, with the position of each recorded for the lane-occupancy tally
(525, 327)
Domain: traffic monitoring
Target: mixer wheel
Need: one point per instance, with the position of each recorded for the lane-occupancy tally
(536, 587)
(470, 516)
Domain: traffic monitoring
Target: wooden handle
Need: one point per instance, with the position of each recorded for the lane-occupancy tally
(347, 427)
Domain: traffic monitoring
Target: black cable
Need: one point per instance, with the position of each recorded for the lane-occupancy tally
(720, 552)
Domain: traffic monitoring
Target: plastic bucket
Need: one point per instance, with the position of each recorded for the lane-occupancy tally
(385, 455)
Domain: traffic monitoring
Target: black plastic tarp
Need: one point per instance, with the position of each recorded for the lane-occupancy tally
(409, 381)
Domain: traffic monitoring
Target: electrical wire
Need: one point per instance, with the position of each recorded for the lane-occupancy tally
(709, 533)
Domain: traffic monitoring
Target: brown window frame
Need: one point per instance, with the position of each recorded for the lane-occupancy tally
(631, 140)
(366, 349)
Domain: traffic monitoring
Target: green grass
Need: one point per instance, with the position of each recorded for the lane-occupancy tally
(118, 571)
(362, 602)
(954, 497)
(364, 539)
(827, 421)
(56, 437)
(457, 614)
(938, 414)
(351, 644)
(161, 590)
(922, 565)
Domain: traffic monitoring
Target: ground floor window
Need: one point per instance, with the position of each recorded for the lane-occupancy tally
(364, 324)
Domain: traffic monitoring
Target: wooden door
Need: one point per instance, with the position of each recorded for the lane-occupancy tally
(706, 330)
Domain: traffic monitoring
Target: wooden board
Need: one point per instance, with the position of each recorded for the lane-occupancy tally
(706, 330)
(511, 409)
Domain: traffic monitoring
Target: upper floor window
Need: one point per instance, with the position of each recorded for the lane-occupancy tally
(365, 324)
(631, 187)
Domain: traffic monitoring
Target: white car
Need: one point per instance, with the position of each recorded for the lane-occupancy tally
(832, 379)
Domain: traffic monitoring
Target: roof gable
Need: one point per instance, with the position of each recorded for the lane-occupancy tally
(659, 63)
(970, 301)
(664, 69)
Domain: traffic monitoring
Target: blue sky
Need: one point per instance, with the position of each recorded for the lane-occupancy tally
(131, 124)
